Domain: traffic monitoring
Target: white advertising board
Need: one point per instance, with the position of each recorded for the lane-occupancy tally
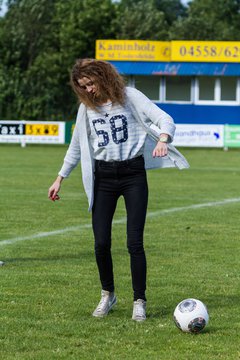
(27, 132)
(199, 135)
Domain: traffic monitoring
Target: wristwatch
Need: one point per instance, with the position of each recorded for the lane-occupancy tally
(163, 138)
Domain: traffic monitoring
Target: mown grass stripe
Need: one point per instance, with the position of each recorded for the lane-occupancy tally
(119, 221)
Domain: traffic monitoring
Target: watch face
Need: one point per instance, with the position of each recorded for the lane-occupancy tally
(163, 139)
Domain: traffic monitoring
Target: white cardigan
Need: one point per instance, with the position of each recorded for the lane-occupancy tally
(153, 120)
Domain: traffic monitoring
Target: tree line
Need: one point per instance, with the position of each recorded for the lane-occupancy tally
(41, 39)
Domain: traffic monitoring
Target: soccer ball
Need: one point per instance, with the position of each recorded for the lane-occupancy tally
(191, 315)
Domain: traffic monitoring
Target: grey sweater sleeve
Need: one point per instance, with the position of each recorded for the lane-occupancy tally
(73, 154)
(156, 118)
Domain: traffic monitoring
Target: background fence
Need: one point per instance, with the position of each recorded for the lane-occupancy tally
(187, 135)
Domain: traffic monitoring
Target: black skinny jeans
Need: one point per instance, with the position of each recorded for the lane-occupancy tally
(113, 179)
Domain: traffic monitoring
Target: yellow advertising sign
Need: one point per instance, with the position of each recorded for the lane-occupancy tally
(42, 129)
(133, 50)
(205, 51)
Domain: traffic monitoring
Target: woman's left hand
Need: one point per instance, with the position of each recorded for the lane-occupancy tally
(160, 150)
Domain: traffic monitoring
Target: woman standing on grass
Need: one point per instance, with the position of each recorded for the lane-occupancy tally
(119, 132)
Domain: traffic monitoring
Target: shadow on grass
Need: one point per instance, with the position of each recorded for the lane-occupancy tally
(85, 255)
(216, 301)
(64, 258)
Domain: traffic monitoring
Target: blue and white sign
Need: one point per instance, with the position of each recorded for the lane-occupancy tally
(195, 135)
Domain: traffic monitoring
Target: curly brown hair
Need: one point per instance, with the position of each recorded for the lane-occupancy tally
(109, 83)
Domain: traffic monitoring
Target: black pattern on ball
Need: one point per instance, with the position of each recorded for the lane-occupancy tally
(196, 325)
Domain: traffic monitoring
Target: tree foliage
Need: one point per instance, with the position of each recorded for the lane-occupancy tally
(141, 20)
(41, 39)
(39, 42)
(172, 9)
(209, 20)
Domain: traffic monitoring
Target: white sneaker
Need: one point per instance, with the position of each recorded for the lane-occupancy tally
(139, 310)
(107, 301)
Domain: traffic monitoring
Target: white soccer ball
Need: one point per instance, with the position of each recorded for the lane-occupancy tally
(191, 315)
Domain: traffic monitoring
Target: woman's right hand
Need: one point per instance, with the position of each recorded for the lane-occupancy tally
(54, 189)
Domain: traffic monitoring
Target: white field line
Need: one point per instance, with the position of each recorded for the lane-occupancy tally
(119, 221)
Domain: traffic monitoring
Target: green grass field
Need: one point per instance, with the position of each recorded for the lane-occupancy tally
(49, 283)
